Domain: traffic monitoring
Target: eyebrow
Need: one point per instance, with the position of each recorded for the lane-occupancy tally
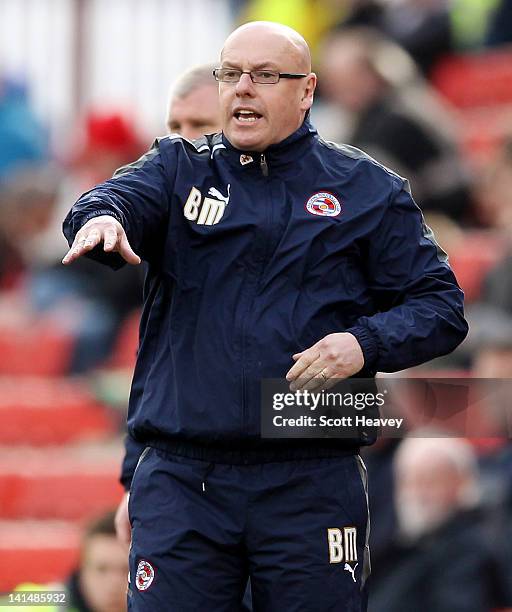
(259, 66)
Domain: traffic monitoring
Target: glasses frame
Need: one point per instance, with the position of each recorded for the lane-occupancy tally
(280, 75)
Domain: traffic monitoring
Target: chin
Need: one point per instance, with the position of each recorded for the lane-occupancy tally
(246, 141)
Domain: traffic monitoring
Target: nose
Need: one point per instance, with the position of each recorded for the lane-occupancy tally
(245, 86)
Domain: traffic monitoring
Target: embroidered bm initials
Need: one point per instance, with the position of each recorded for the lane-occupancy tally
(342, 544)
(208, 211)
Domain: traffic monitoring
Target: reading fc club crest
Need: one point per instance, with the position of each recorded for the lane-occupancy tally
(145, 575)
(323, 204)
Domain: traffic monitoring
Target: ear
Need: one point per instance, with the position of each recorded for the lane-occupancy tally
(308, 91)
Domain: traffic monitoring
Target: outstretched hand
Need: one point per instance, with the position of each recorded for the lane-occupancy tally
(99, 229)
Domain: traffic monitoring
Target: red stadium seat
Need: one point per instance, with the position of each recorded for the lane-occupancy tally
(471, 261)
(476, 80)
(480, 87)
(39, 350)
(483, 131)
(50, 411)
(65, 483)
(37, 551)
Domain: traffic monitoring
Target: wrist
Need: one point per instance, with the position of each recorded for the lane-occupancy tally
(367, 343)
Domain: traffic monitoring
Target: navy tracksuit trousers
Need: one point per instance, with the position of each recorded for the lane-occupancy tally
(298, 529)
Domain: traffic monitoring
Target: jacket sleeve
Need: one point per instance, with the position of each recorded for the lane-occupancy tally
(420, 305)
(133, 450)
(138, 196)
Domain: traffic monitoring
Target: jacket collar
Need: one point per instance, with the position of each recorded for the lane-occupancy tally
(277, 155)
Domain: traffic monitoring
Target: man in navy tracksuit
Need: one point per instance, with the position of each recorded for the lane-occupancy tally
(270, 253)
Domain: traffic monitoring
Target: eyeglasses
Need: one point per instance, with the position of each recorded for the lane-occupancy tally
(266, 77)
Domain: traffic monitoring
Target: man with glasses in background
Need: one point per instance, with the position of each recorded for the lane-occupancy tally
(271, 254)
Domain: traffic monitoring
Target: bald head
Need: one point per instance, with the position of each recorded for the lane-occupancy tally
(258, 114)
(434, 477)
(259, 33)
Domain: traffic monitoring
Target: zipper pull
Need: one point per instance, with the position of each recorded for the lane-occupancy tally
(263, 165)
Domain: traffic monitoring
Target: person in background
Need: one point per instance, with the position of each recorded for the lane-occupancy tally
(442, 559)
(99, 583)
(394, 117)
(193, 108)
(23, 140)
(493, 202)
(499, 30)
(27, 202)
(422, 27)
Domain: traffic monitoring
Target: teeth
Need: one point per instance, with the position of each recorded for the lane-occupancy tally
(246, 115)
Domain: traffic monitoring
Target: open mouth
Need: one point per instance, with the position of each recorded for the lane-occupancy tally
(246, 116)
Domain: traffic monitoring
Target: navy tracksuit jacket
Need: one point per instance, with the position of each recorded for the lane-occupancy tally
(251, 258)
(246, 275)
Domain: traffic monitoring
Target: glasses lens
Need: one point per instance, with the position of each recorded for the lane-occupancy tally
(265, 76)
(228, 74)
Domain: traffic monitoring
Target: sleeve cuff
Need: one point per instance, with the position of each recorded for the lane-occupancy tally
(368, 344)
(101, 213)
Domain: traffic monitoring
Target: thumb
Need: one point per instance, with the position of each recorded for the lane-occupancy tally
(127, 252)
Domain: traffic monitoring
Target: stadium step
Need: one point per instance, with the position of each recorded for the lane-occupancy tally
(37, 551)
(479, 86)
(39, 349)
(72, 483)
(476, 79)
(51, 411)
(477, 254)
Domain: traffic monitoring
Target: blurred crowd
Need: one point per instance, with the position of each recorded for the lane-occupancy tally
(98, 582)
(441, 500)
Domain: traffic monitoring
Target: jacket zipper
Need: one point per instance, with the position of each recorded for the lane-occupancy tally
(264, 171)
(263, 164)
